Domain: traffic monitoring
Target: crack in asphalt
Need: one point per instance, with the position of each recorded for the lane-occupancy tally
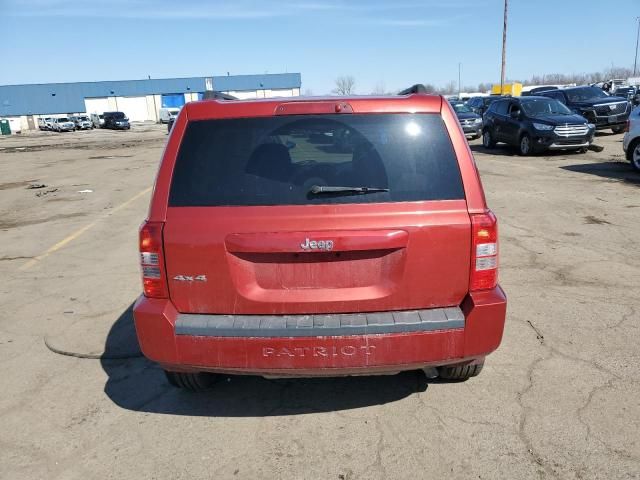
(536, 458)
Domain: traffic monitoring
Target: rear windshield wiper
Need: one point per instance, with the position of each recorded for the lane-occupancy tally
(318, 189)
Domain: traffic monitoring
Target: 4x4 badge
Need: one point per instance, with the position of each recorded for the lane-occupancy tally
(189, 278)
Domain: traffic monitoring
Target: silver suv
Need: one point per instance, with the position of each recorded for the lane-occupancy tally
(63, 124)
(631, 141)
(82, 122)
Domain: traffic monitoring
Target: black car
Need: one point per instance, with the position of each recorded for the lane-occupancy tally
(471, 122)
(479, 105)
(599, 108)
(116, 121)
(537, 90)
(534, 124)
(630, 93)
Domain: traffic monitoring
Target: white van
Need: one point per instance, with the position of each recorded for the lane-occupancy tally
(97, 119)
(167, 114)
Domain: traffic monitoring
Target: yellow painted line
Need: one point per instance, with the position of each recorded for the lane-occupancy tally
(81, 231)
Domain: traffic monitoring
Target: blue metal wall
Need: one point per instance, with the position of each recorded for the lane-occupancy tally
(172, 100)
(51, 98)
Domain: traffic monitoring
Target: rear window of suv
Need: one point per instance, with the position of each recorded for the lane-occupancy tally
(277, 160)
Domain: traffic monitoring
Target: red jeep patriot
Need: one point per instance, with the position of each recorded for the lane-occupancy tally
(302, 237)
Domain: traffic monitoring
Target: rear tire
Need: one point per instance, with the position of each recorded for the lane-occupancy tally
(487, 140)
(193, 382)
(618, 129)
(460, 372)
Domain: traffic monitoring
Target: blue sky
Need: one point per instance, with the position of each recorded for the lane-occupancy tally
(391, 44)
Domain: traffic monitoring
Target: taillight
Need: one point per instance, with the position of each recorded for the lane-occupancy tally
(627, 128)
(484, 254)
(154, 282)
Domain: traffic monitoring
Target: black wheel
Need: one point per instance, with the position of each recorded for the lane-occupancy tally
(618, 129)
(525, 146)
(194, 382)
(583, 150)
(487, 140)
(633, 154)
(460, 372)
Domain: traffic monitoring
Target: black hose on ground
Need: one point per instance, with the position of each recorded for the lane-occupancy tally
(91, 356)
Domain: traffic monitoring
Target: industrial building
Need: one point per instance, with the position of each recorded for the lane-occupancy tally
(140, 100)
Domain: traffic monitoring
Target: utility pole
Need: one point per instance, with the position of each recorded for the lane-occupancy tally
(459, 79)
(635, 62)
(504, 47)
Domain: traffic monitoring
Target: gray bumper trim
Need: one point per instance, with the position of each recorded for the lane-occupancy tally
(556, 146)
(338, 324)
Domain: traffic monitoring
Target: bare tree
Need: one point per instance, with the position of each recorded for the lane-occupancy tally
(308, 92)
(379, 89)
(450, 88)
(345, 85)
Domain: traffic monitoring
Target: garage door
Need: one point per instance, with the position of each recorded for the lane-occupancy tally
(170, 100)
(134, 107)
(96, 105)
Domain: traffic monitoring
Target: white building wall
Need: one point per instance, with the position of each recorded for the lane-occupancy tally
(152, 110)
(157, 105)
(98, 105)
(135, 108)
(252, 94)
(244, 95)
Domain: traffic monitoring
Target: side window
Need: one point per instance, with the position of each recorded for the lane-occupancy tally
(500, 107)
(513, 107)
(557, 96)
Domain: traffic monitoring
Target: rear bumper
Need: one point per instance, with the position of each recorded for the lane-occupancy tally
(473, 338)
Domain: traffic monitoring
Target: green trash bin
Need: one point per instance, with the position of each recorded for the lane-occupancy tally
(5, 128)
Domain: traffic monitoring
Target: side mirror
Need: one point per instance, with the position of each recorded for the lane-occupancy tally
(515, 114)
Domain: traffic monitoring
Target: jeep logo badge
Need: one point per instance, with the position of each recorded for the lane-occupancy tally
(317, 244)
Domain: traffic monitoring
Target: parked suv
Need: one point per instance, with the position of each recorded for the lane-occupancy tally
(470, 122)
(533, 124)
(116, 121)
(631, 93)
(480, 105)
(63, 124)
(318, 237)
(631, 141)
(599, 108)
(82, 122)
(45, 123)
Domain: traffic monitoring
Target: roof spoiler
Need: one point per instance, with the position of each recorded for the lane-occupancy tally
(211, 95)
(417, 88)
